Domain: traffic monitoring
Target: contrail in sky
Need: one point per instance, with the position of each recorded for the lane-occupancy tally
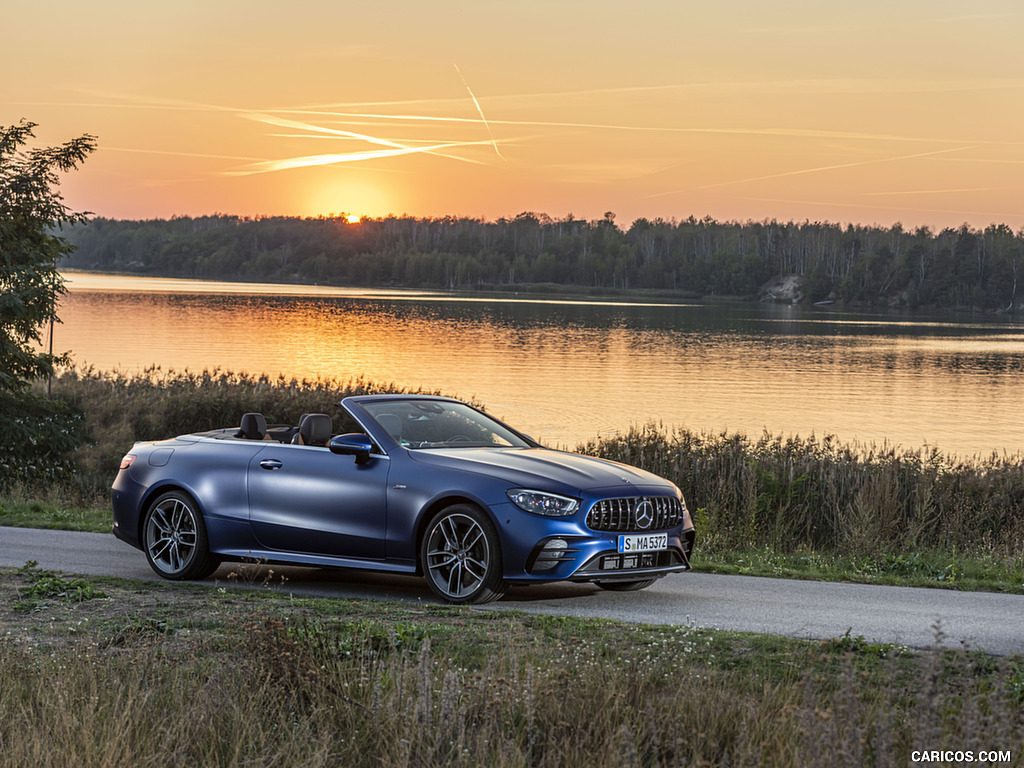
(400, 149)
(150, 103)
(815, 170)
(959, 212)
(836, 167)
(348, 157)
(929, 191)
(478, 109)
(790, 132)
(106, 148)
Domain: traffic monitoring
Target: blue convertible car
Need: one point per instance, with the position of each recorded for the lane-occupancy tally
(416, 484)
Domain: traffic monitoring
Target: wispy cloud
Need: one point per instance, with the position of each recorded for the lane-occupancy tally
(994, 161)
(818, 169)
(711, 130)
(913, 192)
(200, 155)
(377, 124)
(874, 207)
(381, 118)
(815, 86)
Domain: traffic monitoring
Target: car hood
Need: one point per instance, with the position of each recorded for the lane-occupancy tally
(542, 468)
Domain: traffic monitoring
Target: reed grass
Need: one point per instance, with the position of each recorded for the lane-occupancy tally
(794, 495)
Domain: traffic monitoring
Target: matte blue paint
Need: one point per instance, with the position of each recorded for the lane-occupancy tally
(308, 505)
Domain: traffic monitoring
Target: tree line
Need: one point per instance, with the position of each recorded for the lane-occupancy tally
(963, 267)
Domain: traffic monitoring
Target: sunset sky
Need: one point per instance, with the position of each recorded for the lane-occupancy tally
(870, 112)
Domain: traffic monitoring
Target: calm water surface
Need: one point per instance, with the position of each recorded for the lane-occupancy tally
(568, 371)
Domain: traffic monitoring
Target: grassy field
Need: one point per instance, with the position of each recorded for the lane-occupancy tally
(106, 672)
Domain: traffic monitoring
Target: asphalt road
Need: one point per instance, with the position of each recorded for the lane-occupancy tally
(803, 609)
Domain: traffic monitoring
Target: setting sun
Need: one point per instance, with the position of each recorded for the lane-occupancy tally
(352, 218)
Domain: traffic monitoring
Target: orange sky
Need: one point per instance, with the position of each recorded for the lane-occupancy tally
(877, 112)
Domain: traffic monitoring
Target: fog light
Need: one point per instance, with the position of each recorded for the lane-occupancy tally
(551, 554)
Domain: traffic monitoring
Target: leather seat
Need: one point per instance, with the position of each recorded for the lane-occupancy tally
(253, 427)
(314, 429)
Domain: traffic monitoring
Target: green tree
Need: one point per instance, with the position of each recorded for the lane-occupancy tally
(38, 434)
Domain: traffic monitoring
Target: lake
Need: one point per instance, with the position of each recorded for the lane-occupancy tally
(568, 370)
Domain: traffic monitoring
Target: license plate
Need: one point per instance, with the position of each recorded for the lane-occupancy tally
(643, 542)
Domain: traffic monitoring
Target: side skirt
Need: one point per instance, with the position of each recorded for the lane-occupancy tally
(299, 559)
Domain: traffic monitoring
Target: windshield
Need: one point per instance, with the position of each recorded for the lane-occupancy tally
(439, 424)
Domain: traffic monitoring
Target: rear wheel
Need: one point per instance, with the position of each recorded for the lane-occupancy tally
(625, 586)
(174, 536)
(461, 556)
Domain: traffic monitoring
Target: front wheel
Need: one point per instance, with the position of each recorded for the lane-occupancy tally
(461, 556)
(626, 586)
(175, 540)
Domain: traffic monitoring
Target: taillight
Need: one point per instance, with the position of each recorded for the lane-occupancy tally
(128, 460)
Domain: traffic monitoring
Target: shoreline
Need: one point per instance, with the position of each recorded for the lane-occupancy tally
(537, 292)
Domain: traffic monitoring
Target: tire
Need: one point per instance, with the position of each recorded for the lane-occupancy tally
(461, 556)
(174, 538)
(625, 586)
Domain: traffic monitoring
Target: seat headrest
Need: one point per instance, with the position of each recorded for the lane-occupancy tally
(253, 427)
(315, 429)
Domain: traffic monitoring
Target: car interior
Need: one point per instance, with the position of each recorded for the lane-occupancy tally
(314, 429)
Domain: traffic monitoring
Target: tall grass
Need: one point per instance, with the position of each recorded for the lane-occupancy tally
(805, 493)
(314, 693)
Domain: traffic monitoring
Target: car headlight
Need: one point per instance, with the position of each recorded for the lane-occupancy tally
(543, 503)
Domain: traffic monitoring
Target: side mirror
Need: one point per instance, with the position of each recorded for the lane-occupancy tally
(353, 444)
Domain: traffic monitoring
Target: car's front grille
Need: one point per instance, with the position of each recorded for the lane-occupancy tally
(621, 515)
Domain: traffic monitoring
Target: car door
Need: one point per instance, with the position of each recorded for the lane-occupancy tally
(309, 500)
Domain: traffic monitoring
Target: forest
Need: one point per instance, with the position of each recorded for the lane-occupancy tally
(955, 268)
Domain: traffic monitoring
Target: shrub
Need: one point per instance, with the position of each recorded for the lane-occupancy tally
(40, 439)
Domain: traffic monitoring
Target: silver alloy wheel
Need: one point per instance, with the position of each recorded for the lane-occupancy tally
(458, 555)
(171, 535)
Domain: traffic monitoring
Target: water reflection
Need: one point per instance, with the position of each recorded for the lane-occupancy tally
(568, 371)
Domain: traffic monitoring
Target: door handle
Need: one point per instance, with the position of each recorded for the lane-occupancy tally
(271, 464)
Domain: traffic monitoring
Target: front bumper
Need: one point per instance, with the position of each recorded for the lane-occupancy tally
(615, 566)
(557, 550)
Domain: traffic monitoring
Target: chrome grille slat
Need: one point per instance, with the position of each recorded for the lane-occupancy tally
(619, 515)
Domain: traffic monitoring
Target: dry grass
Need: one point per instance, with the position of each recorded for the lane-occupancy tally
(179, 676)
